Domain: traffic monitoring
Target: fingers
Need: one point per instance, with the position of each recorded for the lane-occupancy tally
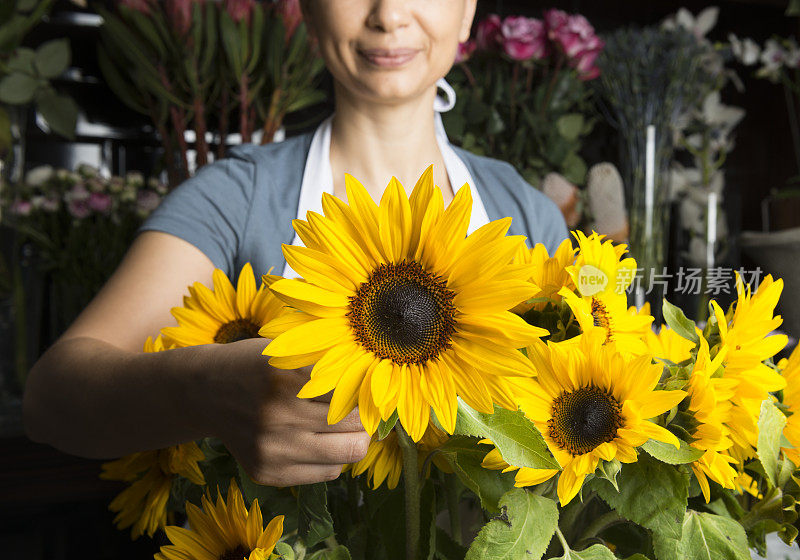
(312, 416)
(332, 448)
(296, 475)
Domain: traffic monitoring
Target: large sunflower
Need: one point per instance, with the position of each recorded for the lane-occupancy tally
(224, 315)
(590, 402)
(400, 311)
(142, 506)
(744, 338)
(223, 531)
(790, 369)
(601, 277)
(549, 273)
(709, 407)
(384, 458)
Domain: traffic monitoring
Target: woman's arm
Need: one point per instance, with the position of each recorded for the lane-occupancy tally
(95, 393)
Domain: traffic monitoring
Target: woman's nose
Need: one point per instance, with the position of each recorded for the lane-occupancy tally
(388, 15)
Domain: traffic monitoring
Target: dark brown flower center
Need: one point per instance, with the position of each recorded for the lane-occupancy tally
(236, 554)
(403, 313)
(583, 419)
(601, 317)
(238, 329)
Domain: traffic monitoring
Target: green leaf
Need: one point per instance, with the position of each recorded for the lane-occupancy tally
(711, 537)
(121, 87)
(666, 453)
(517, 438)
(465, 455)
(53, 57)
(574, 168)
(338, 553)
(60, 112)
(22, 61)
(770, 427)
(523, 529)
(679, 323)
(594, 552)
(386, 427)
(26, 5)
(284, 551)
(652, 494)
(316, 523)
(17, 88)
(609, 470)
(231, 41)
(570, 125)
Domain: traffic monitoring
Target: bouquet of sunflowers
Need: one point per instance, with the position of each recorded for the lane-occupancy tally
(518, 408)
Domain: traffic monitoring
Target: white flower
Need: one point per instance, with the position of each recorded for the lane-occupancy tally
(38, 176)
(773, 57)
(745, 50)
(699, 26)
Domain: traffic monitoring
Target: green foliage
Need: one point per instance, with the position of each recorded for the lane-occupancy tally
(516, 437)
(706, 536)
(338, 553)
(594, 552)
(667, 453)
(315, 520)
(465, 455)
(385, 427)
(653, 495)
(679, 322)
(52, 58)
(770, 428)
(523, 529)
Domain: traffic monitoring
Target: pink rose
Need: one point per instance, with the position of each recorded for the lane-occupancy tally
(465, 50)
(143, 6)
(574, 34)
(79, 208)
(584, 61)
(488, 34)
(290, 13)
(554, 20)
(240, 9)
(524, 38)
(100, 202)
(21, 208)
(179, 13)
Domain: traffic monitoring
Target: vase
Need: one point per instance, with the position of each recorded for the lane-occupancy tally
(646, 154)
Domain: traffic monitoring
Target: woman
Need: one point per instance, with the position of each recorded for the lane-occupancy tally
(94, 393)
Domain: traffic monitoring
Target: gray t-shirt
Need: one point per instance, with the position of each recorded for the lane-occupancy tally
(240, 209)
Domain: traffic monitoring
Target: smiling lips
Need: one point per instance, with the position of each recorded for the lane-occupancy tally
(388, 58)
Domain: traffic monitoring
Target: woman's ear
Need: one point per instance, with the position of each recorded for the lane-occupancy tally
(466, 22)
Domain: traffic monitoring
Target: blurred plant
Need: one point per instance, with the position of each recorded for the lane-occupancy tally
(25, 73)
(650, 77)
(705, 133)
(779, 60)
(195, 65)
(522, 94)
(79, 223)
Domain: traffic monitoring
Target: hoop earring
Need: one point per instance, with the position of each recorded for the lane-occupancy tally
(440, 104)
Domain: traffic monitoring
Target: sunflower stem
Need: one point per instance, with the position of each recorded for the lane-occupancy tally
(452, 488)
(600, 524)
(411, 483)
(563, 541)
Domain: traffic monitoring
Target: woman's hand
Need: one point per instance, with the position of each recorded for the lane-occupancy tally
(279, 439)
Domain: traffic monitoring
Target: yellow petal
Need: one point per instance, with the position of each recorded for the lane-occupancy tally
(310, 337)
(245, 291)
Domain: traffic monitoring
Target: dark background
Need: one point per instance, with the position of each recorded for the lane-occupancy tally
(53, 506)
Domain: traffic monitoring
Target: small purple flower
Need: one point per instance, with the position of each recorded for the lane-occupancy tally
(51, 204)
(146, 202)
(21, 208)
(78, 192)
(100, 202)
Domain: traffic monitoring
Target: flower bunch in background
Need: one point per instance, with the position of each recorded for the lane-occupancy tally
(79, 223)
(203, 70)
(522, 95)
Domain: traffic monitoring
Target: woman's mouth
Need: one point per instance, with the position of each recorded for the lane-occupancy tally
(388, 58)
